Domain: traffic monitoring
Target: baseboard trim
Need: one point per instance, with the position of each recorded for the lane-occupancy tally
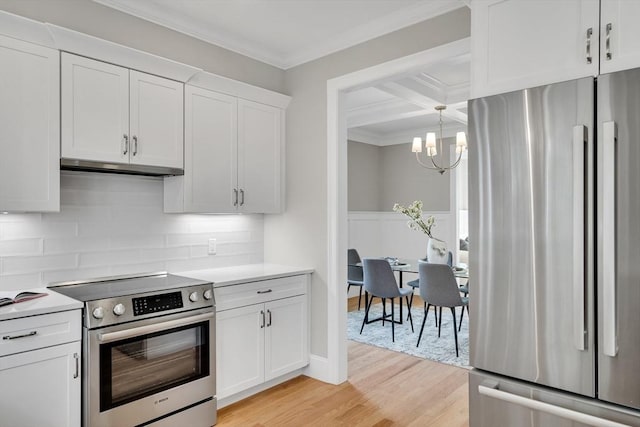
(318, 369)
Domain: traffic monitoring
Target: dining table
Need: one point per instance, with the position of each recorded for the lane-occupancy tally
(410, 265)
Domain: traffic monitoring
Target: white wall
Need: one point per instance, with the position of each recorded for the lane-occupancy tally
(114, 224)
(382, 234)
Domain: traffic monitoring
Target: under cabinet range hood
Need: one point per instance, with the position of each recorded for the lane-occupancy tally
(122, 168)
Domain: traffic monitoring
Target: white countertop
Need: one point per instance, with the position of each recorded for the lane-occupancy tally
(51, 303)
(228, 276)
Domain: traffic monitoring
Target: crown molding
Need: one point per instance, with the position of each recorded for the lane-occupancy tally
(389, 23)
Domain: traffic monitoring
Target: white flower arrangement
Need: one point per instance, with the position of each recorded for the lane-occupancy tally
(414, 211)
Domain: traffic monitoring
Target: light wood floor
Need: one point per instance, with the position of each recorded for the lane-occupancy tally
(384, 388)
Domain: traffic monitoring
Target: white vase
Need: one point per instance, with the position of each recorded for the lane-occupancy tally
(437, 252)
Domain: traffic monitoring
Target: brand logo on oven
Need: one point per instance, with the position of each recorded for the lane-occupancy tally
(164, 399)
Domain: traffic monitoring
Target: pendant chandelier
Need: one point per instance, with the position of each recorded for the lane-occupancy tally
(432, 152)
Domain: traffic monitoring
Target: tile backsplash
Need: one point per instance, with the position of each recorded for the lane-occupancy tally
(114, 224)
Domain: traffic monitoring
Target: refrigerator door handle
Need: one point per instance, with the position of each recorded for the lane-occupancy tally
(608, 252)
(490, 389)
(579, 143)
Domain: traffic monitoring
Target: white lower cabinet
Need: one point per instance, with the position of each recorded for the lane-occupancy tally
(40, 371)
(40, 387)
(261, 342)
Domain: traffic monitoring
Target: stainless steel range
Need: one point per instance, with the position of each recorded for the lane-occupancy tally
(148, 350)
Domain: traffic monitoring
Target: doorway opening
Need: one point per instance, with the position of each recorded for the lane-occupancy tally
(338, 205)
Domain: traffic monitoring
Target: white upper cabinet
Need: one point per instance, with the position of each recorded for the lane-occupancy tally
(518, 44)
(113, 114)
(259, 153)
(29, 127)
(95, 110)
(210, 151)
(233, 150)
(619, 35)
(156, 120)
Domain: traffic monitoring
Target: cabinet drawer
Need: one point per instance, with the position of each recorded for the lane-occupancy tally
(233, 296)
(29, 333)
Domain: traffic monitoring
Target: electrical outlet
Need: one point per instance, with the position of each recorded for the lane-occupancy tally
(212, 247)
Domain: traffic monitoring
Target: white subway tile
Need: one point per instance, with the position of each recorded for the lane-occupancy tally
(137, 241)
(24, 230)
(20, 281)
(31, 246)
(73, 244)
(164, 254)
(97, 259)
(200, 251)
(35, 264)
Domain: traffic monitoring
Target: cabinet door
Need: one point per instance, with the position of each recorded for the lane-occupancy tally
(287, 336)
(156, 121)
(619, 35)
(210, 151)
(41, 387)
(520, 44)
(259, 157)
(29, 127)
(239, 349)
(95, 110)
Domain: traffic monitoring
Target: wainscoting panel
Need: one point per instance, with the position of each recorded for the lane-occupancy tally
(382, 234)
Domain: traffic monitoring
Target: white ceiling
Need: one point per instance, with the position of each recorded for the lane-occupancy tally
(397, 110)
(286, 33)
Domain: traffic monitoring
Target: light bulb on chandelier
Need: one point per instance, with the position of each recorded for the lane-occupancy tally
(432, 150)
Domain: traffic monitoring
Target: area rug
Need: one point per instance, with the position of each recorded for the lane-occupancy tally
(431, 347)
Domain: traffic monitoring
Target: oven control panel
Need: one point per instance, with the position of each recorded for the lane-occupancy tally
(111, 311)
(157, 303)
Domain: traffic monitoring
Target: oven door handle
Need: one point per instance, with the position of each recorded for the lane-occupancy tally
(155, 327)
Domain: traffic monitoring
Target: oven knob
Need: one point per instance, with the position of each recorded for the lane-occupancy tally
(119, 310)
(98, 312)
(208, 294)
(193, 297)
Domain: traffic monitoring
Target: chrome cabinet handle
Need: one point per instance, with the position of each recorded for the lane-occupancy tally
(579, 142)
(608, 243)
(265, 292)
(588, 47)
(77, 358)
(241, 197)
(262, 314)
(135, 145)
(125, 150)
(15, 337)
(490, 389)
(269, 313)
(235, 197)
(607, 41)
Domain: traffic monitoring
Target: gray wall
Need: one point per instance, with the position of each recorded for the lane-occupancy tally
(109, 24)
(299, 236)
(379, 177)
(365, 177)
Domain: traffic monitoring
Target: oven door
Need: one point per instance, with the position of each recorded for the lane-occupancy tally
(145, 370)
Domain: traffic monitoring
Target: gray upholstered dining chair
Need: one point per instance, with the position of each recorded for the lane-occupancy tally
(380, 282)
(415, 284)
(354, 272)
(438, 287)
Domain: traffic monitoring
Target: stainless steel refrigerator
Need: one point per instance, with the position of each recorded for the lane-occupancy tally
(554, 189)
